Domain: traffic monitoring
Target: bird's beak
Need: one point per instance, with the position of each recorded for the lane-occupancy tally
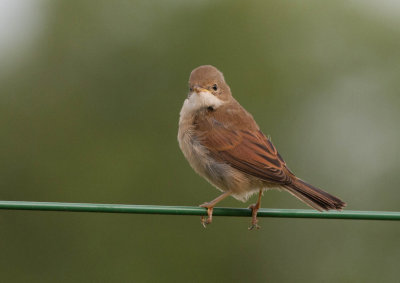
(198, 89)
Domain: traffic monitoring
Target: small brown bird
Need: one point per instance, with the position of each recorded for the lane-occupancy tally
(224, 144)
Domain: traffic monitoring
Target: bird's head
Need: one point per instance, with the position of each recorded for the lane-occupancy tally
(207, 88)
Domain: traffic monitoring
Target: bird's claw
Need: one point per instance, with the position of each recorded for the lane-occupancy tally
(254, 209)
(206, 220)
(254, 226)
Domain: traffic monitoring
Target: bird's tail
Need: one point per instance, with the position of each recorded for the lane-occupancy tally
(313, 196)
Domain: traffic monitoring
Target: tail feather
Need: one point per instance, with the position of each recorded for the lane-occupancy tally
(314, 197)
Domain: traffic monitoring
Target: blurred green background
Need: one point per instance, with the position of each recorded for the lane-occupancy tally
(90, 94)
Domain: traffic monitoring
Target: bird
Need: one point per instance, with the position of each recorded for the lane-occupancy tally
(223, 143)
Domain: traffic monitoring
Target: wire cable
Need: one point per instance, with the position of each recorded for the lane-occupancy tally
(193, 210)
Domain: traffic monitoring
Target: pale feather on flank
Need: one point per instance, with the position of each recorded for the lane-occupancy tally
(197, 101)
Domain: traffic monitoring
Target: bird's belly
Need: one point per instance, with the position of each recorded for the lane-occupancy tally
(220, 174)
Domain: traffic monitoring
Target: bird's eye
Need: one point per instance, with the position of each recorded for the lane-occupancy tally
(215, 87)
(191, 89)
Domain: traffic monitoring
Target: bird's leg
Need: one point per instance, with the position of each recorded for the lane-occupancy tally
(254, 209)
(210, 206)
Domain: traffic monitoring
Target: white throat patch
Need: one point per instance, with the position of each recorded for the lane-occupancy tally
(196, 101)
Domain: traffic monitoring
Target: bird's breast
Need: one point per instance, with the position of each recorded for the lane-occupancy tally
(193, 150)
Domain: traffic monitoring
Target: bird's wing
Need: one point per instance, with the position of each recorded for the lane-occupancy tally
(245, 148)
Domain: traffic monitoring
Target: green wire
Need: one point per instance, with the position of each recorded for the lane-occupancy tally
(191, 210)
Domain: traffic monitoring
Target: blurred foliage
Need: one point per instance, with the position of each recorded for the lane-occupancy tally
(90, 114)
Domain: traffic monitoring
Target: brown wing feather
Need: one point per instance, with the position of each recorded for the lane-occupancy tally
(242, 145)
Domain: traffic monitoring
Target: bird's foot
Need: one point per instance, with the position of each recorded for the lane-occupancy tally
(254, 208)
(254, 226)
(207, 220)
